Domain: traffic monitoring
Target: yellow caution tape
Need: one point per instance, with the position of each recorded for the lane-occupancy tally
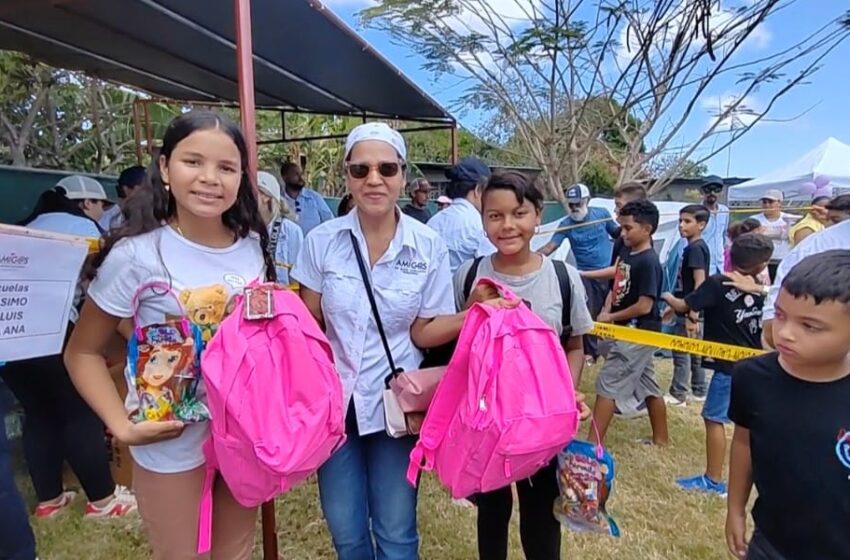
(684, 344)
(94, 244)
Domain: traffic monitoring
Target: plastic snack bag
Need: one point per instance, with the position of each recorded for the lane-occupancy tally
(585, 480)
(164, 368)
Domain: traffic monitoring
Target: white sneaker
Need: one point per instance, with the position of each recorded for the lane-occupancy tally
(670, 400)
(123, 502)
(698, 399)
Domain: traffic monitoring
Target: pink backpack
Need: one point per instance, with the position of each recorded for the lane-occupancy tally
(276, 404)
(505, 406)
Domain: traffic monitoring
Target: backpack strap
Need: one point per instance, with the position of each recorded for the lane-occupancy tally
(566, 290)
(205, 513)
(469, 280)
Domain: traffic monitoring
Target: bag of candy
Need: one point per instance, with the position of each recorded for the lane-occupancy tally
(585, 480)
(164, 368)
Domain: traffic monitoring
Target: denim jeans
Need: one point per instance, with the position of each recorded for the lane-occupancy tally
(16, 539)
(688, 375)
(369, 506)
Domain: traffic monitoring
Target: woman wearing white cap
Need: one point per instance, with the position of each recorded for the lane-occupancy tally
(72, 207)
(60, 426)
(364, 493)
(285, 237)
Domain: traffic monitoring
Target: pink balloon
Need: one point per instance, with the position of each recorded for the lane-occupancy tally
(821, 181)
(808, 188)
(822, 191)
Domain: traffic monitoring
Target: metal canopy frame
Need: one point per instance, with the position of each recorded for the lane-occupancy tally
(145, 142)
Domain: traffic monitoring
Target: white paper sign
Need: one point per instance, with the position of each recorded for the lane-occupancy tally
(38, 276)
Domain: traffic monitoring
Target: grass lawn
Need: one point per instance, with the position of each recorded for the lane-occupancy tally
(656, 519)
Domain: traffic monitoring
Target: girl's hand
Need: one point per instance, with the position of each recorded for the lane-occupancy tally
(736, 532)
(147, 432)
(583, 409)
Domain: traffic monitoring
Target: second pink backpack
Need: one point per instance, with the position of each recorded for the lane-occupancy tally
(276, 404)
(505, 406)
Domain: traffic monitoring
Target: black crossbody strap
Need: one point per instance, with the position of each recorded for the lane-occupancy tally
(364, 273)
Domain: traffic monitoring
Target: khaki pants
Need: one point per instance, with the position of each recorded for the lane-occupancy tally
(168, 505)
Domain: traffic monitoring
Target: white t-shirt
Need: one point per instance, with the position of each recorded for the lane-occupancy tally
(777, 231)
(203, 281)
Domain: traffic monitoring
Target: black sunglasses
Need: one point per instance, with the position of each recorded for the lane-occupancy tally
(712, 189)
(385, 169)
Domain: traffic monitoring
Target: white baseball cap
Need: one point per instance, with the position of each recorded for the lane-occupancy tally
(444, 200)
(576, 193)
(269, 184)
(773, 194)
(80, 187)
(376, 131)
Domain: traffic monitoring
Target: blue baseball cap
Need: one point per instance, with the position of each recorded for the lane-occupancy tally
(468, 170)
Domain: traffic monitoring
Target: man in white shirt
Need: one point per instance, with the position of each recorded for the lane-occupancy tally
(714, 233)
(460, 224)
(776, 224)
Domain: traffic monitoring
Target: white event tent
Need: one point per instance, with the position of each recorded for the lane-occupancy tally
(829, 161)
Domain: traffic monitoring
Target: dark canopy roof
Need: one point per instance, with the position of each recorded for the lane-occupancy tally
(304, 56)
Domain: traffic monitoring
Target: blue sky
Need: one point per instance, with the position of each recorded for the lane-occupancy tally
(768, 145)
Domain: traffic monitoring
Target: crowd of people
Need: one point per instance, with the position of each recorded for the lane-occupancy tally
(194, 221)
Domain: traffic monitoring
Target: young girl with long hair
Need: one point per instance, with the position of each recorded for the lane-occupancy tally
(195, 226)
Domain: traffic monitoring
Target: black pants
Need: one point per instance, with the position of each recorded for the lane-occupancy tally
(597, 291)
(58, 426)
(761, 549)
(539, 531)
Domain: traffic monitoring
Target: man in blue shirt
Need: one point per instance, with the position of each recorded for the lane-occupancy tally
(590, 234)
(309, 205)
(714, 234)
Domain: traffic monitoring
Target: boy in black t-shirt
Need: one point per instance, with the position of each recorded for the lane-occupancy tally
(629, 368)
(688, 374)
(791, 411)
(731, 317)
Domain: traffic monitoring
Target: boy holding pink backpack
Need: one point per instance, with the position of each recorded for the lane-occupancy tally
(511, 211)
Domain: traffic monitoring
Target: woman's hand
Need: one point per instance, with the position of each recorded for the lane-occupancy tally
(583, 409)
(148, 431)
